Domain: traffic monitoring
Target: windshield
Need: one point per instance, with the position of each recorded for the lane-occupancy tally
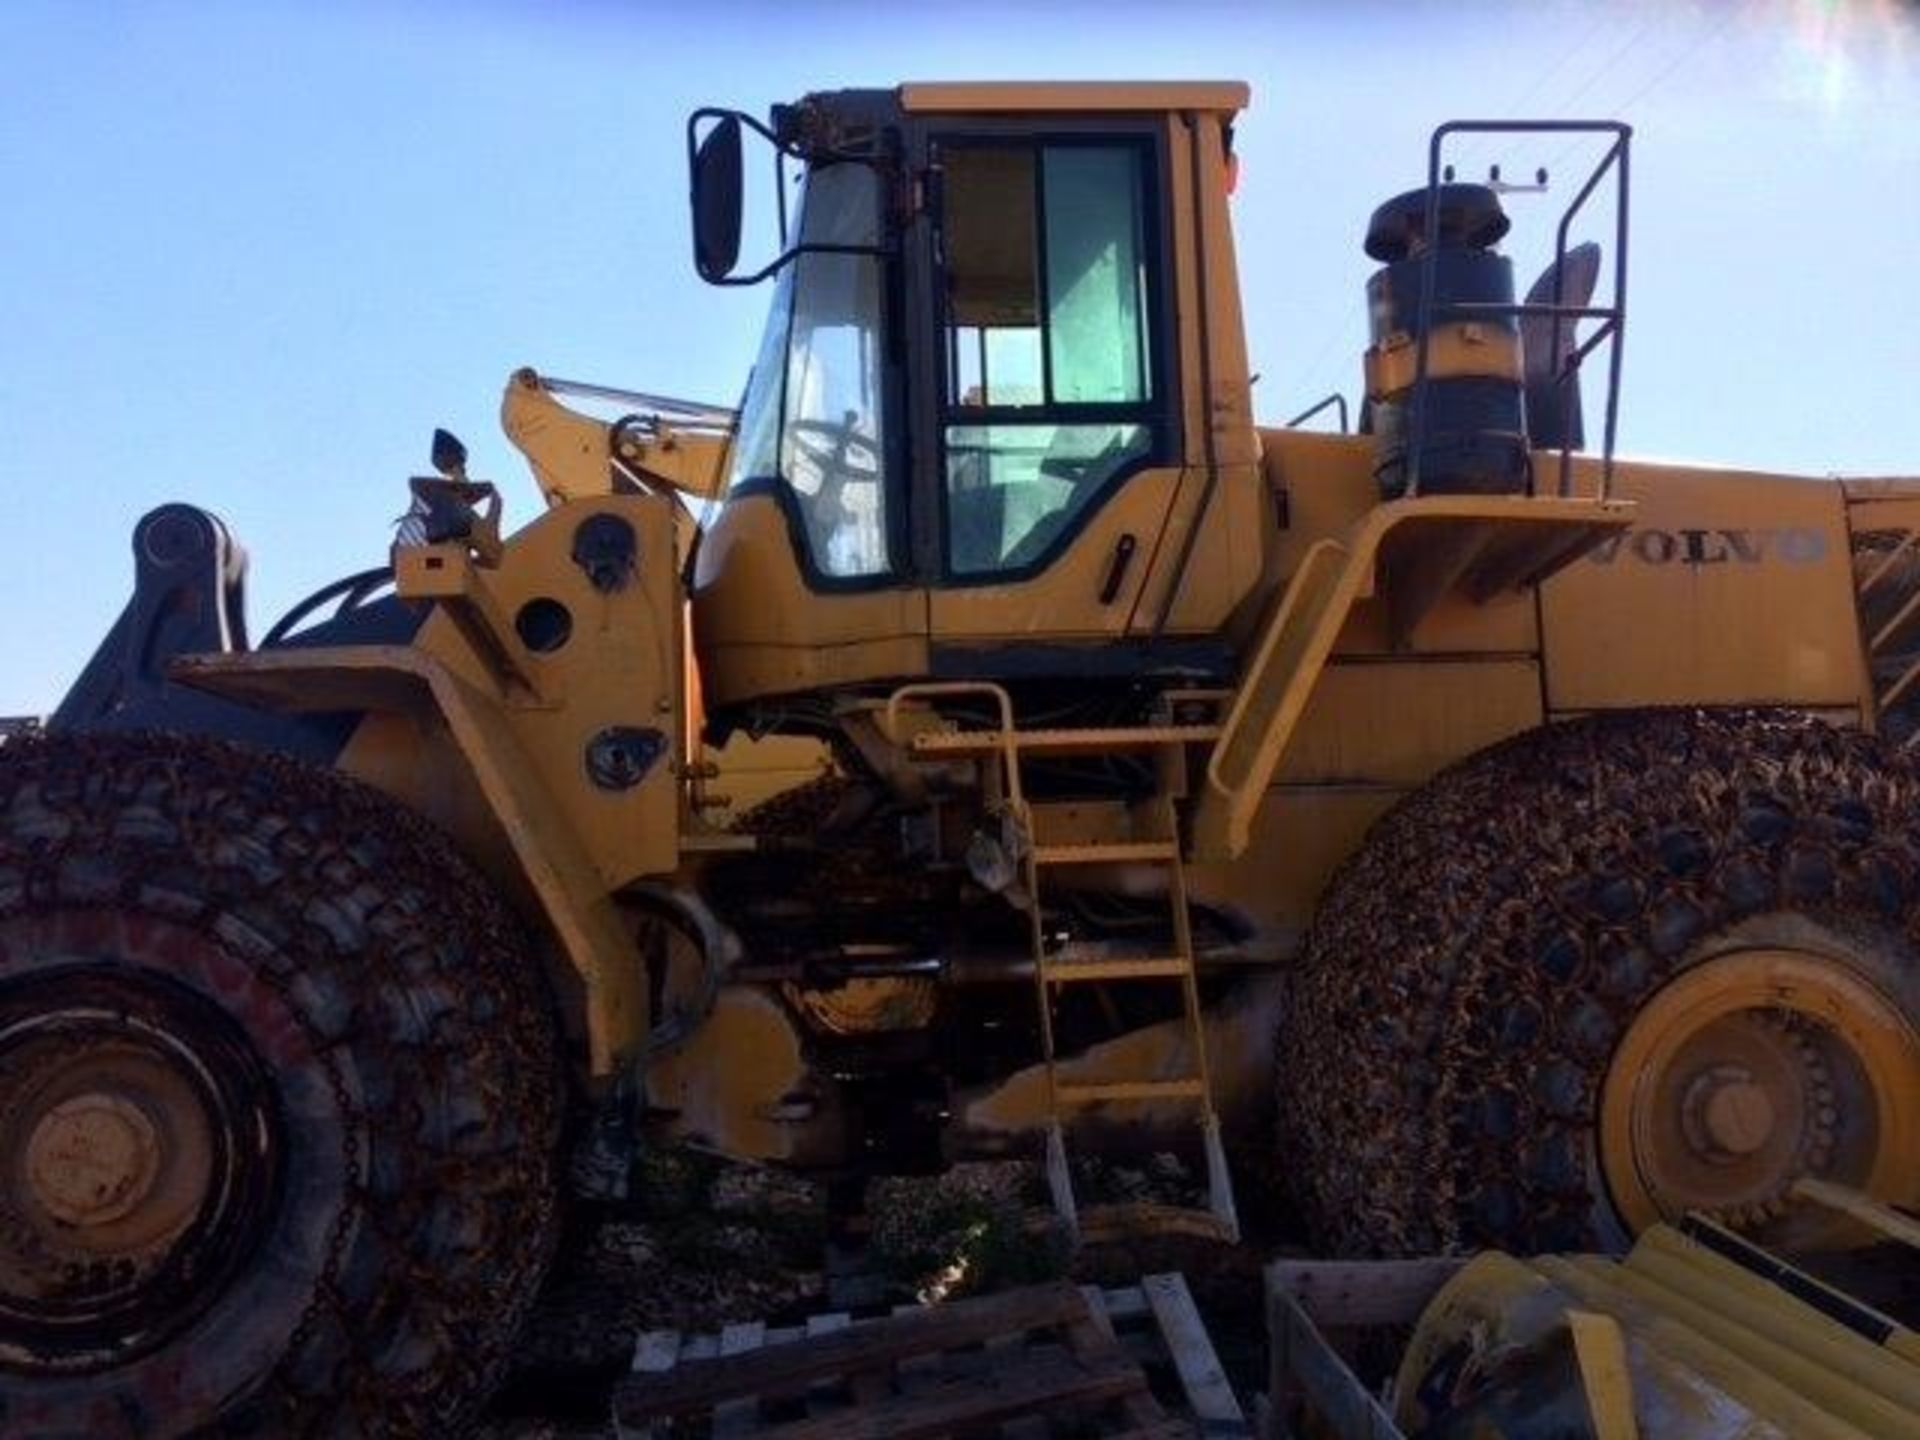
(811, 421)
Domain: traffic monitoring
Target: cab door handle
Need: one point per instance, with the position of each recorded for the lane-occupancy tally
(1117, 568)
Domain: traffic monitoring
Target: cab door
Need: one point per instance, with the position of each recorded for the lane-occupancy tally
(1059, 453)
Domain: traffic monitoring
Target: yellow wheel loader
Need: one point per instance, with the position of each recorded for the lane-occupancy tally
(989, 739)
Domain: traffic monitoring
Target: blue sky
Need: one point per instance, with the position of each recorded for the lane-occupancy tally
(251, 254)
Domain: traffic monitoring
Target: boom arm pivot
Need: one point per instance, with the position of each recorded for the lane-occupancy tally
(664, 443)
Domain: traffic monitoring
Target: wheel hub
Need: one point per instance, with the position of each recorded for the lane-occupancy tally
(92, 1159)
(1728, 1113)
(137, 1160)
(1749, 1072)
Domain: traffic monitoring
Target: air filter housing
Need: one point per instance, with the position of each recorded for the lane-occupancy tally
(1473, 425)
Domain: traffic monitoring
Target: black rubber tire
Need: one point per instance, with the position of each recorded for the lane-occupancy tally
(1473, 964)
(406, 1035)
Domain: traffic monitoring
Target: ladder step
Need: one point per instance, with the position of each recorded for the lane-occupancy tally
(1190, 1087)
(1067, 971)
(1061, 742)
(1107, 852)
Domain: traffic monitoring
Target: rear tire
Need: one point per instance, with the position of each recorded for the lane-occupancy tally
(279, 1101)
(1609, 970)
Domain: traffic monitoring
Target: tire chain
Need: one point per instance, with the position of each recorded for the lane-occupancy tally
(1473, 963)
(352, 847)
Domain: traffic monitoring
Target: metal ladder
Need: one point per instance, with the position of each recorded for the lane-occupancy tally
(1054, 969)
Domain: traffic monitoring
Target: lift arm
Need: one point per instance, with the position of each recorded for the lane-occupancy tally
(668, 444)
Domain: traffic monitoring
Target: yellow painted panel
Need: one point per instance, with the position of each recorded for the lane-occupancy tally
(732, 1085)
(1238, 525)
(407, 754)
(620, 666)
(1028, 97)
(1371, 733)
(1329, 487)
(1328, 484)
(1506, 624)
(1730, 588)
(755, 770)
(759, 629)
(740, 672)
(1398, 722)
(1874, 489)
(1225, 566)
(1299, 836)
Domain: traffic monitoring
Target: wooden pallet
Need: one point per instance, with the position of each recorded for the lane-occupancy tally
(1315, 1311)
(1029, 1364)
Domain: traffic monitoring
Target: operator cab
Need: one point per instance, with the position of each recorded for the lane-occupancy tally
(977, 440)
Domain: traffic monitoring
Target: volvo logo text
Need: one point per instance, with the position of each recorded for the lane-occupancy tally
(1793, 545)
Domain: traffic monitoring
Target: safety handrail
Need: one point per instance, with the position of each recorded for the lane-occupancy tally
(1335, 400)
(1009, 741)
(1612, 317)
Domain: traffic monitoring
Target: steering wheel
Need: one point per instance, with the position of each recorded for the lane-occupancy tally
(830, 448)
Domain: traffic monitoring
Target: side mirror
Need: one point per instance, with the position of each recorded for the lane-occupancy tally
(715, 168)
(717, 200)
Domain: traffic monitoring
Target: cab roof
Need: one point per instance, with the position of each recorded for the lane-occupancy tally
(950, 97)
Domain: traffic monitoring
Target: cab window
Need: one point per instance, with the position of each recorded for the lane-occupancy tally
(811, 422)
(1050, 396)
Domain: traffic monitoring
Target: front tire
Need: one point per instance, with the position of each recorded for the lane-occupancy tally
(1610, 971)
(278, 1102)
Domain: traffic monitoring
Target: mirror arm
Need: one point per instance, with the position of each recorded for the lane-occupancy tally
(817, 154)
(780, 262)
(781, 148)
(780, 191)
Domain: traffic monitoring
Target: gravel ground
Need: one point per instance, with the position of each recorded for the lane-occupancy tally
(703, 1243)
